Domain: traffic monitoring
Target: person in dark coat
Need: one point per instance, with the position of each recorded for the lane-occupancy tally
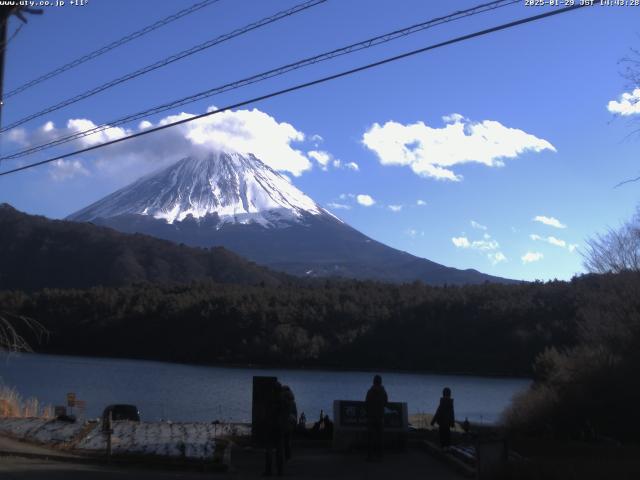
(445, 418)
(302, 422)
(375, 403)
(278, 415)
(328, 427)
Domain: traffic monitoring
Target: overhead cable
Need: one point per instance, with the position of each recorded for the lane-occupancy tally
(354, 47)
(107, 48)
(165, 61)
(304, 85)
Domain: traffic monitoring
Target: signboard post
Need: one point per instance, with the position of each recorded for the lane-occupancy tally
(71, 401)
(350, 424)
(262, 396)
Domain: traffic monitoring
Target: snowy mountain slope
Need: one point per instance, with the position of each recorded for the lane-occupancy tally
(236, 188)
(239, 203)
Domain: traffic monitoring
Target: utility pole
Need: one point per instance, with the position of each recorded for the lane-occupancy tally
(5, 13)
(4, 20)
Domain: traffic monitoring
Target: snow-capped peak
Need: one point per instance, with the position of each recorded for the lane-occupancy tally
(238, 188)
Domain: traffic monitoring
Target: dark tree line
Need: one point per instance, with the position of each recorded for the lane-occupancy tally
(490, 328)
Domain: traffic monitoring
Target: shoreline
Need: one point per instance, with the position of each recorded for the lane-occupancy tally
(313, 368)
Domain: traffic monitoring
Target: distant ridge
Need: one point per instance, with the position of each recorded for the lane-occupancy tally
(41, 253)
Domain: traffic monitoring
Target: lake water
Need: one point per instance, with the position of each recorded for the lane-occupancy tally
(202, 393)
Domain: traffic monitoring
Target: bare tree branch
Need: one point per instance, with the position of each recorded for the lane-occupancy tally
(631, 180)
(615, 251)
(10, 338)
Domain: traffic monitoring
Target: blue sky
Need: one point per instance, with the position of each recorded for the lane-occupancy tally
(498, 154)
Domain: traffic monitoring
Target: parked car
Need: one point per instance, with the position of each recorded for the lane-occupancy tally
(120, 412)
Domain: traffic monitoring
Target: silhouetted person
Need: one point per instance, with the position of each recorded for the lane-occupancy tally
(318, 428)
(375, 403)
(328, 427)
(466, 426)
(302, 422)
(289, 424)
(445, 418)
(278, 416)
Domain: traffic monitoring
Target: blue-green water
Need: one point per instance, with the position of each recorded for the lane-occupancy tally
(188, 392)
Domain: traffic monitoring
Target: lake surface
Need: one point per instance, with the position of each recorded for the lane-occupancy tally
(202, 393)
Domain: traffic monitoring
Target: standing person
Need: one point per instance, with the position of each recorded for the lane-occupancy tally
(302, 423)
(445, 418)
(291, 411)
(375, 403)
(275, 433)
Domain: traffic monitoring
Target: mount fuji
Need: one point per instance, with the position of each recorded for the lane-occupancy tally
(238, 202)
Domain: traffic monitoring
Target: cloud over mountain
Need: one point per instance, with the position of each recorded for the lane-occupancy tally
(242, 131)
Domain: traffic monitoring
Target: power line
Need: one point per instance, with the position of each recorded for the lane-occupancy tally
(118, 43)
(368, 43)
(305, 85)
(166, 61)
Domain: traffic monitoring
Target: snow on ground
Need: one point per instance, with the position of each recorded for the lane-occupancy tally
(38, 430)
(188, 440)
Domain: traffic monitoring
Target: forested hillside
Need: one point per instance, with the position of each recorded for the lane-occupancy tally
(335, 323)
(38, 253)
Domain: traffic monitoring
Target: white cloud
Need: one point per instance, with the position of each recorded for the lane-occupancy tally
(453, 118)
(67, 169)
(550, 221)
(352, 166)
(339, 206)
(497, 257)
(18, 136)
(325, 159)
(395, 208)
(432, 152)
(485, 244)
(530, 257)
(413, 233)
(627, 104)
(321, 157)
(477, 225)
(365, 200)
(558, 242)
(421, 203)
(76, 125)
(243, 131)
(550, 240)
(461, 242)
(344, 196)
